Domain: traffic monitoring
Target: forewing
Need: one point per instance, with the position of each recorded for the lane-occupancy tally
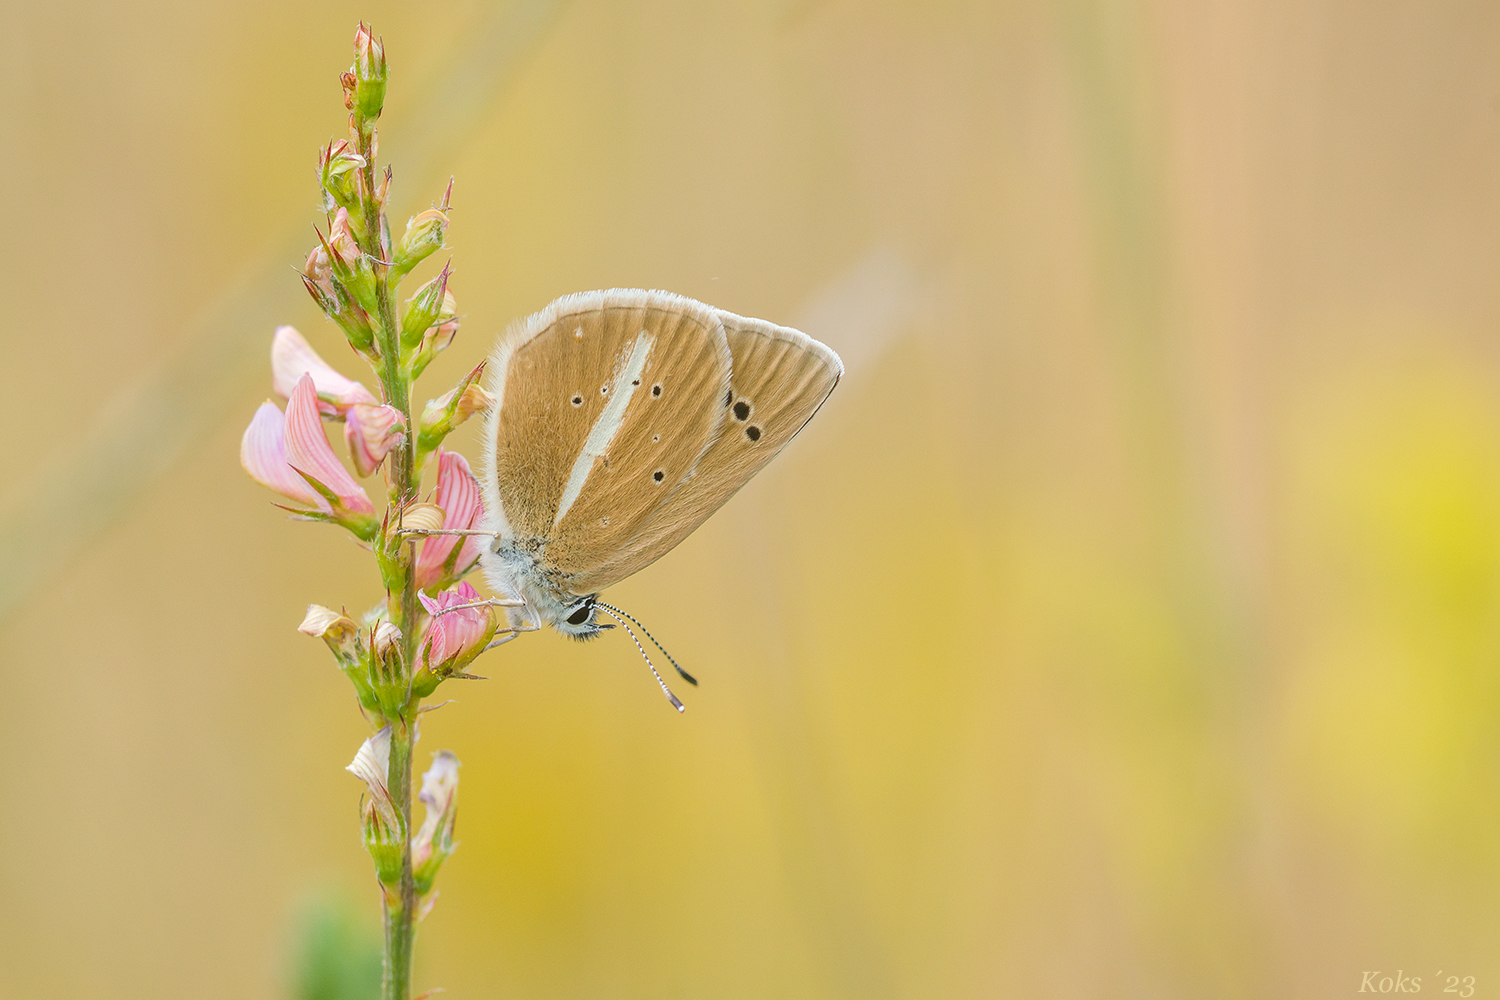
(780, 378)
(604, 401)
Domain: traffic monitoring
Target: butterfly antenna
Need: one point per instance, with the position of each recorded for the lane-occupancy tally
(665, 690)
(685, 675)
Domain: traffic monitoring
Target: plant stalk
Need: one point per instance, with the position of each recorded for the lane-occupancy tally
(400, 911)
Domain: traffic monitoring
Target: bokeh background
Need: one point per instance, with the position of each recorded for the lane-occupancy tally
(1127, 624)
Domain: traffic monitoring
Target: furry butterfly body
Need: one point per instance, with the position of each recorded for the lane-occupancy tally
(623, 419)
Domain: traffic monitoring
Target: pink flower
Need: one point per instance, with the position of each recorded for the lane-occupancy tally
(263, 454)
(308, 452)
(455, 637)
(458, 495)
(292, 357)
(371, 431)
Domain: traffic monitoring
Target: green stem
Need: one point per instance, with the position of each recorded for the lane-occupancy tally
(400, 906)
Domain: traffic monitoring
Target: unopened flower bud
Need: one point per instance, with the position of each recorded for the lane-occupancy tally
(341, 238)
(424, 234)
(383, 189)
(423, 308)
(452, 408)
(438, 337)
(371, 431)
(339, 167)
(318, 278)
(351, 269)
(369, 72)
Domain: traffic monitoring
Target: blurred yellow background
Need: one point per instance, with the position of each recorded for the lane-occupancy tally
(1126, 625)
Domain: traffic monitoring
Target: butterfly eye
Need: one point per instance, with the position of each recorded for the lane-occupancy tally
(580, 616)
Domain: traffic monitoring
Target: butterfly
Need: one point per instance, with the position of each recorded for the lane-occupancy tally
(622, 419)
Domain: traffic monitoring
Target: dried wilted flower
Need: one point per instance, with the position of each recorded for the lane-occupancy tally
(383, 827)
(387, 637)
(422, 517)
(434, 839)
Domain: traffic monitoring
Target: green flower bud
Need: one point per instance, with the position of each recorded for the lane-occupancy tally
(369, 72)
(424, 234)
(337, 304)
(339, 169)
(458, 404)
(423, 309)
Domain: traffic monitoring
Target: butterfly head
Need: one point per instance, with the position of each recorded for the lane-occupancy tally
(579, 619)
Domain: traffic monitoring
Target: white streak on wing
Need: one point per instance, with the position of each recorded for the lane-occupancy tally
(608, 424)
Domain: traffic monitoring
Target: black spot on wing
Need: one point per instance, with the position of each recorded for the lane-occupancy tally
(656, 390)
(658, 475)
(742, 410)
(752, 432)
(577, 400)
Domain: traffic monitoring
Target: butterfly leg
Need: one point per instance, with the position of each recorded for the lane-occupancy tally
(446, 531)
(491, 602)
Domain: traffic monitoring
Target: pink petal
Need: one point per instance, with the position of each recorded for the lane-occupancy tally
(308, 452)
(292, 357)
(458, 495)
(457, 631)
(263, 454)
(371, 431)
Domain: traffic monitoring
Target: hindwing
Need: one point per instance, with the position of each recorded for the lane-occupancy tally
(779, 379)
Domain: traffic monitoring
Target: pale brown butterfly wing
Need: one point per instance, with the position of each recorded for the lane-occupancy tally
(780, 378)
(604, 402)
